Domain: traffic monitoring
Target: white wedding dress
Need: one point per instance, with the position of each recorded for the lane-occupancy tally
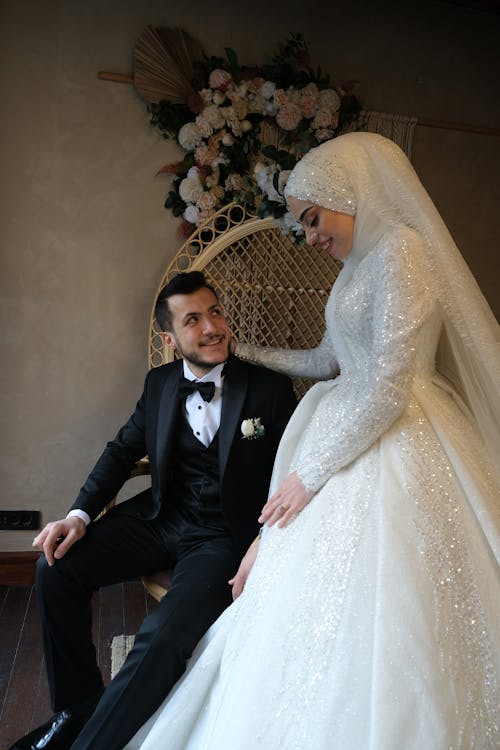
(372, 621)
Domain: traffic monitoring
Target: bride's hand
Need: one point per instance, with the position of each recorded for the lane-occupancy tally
(289, 500)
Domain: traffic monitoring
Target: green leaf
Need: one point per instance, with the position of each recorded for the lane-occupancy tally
(271, 152)
(232, 57)
(286, 160)
(234, 66)
(276, 181)
(271, 208)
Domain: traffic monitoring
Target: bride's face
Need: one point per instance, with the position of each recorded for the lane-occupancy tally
(331, 230)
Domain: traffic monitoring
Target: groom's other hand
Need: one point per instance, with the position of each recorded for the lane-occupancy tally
(58, 536)
(246, 565)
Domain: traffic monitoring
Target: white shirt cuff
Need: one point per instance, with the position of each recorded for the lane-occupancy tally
(80, 514)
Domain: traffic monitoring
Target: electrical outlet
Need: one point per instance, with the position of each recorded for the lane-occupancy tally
(19, 520)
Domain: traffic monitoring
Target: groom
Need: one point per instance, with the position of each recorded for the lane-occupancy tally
(208, 485)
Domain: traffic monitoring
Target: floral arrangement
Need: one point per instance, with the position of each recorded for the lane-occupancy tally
(246, 128)
(252, 428)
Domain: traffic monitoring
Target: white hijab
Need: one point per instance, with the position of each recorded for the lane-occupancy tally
(367, 175)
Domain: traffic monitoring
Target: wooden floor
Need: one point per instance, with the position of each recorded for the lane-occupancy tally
(24, 695)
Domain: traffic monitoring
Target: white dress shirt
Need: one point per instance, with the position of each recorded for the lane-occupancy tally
(204, 416)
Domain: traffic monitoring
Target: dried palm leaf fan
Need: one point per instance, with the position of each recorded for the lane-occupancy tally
(164, 65)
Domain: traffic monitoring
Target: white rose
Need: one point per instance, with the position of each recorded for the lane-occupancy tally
(214, 116)
(190, 190)
(271, 108)
(189, 136)
(264, 179)
(291, 224)
(191, 214)
(247, 428)
(219, 97)
(329, 99)
(267, 89)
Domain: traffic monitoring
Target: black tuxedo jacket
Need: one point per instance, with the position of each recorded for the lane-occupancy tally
(245, 465)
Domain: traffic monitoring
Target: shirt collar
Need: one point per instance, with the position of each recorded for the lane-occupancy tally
(214, 375)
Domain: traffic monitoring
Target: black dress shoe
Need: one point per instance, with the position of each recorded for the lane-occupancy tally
(58, 733)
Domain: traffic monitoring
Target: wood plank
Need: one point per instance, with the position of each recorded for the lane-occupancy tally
(17, 714)
(15, 601)
(135, 607)
(42, 710)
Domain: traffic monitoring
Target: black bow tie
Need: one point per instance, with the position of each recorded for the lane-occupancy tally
(207, 389)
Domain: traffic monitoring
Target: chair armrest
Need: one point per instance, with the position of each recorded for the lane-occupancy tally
(157, 584)
(142, 468)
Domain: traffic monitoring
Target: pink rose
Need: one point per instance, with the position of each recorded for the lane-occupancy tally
(323, 119)
(206, 201)
(204, 216)
(289, 117)
(324, 134)
(280, 97)
(204, 155)
(239, 106)
(204, 127)
(219, 79)
(255, 84)
(308, 104)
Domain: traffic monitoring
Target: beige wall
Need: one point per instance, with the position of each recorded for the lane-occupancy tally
(84, 237)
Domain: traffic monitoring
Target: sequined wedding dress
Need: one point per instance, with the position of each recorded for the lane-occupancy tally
(371, 622)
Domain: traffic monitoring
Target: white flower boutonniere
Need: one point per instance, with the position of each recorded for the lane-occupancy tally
(252, 428)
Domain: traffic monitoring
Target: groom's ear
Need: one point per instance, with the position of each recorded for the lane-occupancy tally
(168, 340)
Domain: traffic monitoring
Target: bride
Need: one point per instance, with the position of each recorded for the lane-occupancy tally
(370, 617)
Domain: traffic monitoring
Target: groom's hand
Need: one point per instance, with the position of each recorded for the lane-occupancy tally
(246, 565)
(58, 536)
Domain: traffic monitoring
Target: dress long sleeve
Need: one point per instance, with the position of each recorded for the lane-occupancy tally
(319, 363)
(379, 316)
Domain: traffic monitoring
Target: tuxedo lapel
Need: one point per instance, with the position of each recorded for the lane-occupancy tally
(167, 416)
(235, 391)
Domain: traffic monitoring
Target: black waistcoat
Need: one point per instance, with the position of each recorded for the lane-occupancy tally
(195, 485)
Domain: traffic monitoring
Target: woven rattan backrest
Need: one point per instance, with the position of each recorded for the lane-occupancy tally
(274, 291)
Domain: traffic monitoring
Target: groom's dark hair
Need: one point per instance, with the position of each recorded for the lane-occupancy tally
(183, 283)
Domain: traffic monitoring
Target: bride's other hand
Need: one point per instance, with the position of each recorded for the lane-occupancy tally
(289, 500)
(246, 565)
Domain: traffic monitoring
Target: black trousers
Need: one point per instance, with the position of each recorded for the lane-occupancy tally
(116, 548)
